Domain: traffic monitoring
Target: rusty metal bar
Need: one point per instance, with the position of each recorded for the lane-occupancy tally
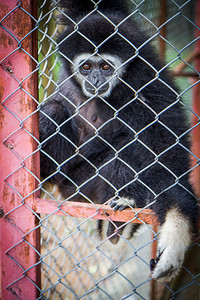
(95, 211)
(196, 109)
(19, 237)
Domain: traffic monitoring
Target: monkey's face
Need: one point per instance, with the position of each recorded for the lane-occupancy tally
(97, 75)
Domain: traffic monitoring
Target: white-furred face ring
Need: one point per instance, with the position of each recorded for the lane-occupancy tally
(97, 74)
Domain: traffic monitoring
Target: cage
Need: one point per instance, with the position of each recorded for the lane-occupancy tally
(50, 247)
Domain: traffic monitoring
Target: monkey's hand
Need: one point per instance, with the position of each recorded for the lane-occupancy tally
(120, 203)
(173, 242)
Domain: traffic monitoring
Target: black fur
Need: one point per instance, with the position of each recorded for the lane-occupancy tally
(145, 160)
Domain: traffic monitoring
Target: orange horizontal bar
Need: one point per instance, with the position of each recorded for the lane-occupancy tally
(95, 211)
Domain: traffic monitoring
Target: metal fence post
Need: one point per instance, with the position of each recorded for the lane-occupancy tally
(196, 108)
(19, 235)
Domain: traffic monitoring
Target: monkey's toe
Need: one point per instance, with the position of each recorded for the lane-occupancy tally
(121, 203)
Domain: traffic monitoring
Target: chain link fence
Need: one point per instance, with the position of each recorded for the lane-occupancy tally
(59, 254)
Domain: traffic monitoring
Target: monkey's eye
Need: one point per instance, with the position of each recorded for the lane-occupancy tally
(86, 67)
(106, 67)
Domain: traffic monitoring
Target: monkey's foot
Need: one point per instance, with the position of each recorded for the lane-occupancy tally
(121, 203)
(173, 242)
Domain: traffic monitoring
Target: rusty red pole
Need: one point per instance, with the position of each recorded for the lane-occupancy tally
(18, 82)
(196, 108)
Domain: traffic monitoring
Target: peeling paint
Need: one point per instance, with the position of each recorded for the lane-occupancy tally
(18, 182)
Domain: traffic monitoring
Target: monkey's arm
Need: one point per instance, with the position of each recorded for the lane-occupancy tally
(58, 137)
(177, 211)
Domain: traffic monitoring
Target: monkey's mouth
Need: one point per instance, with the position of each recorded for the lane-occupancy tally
(98, 90)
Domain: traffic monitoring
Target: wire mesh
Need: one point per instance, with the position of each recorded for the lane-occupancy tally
(75, 262)
(149, 14)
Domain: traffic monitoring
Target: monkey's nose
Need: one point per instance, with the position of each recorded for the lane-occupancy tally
(95, 80)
